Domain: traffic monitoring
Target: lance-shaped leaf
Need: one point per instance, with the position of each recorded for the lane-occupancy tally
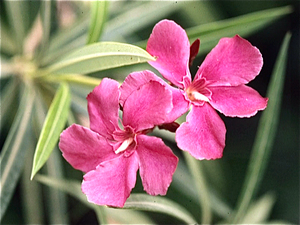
(54, 123)
(14, 149)
(210, 33)
(98, 17)
(265, 135)
(159, 204)
(100, 56)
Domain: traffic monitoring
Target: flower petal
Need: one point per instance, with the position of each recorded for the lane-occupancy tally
(157, 164)
(112, 181)
(203, 134)
(232, 62)
(103, 107)
(170, 44)
(147, 106)
(180, 105)
(240, 101)
(136, 79)
(83, 148)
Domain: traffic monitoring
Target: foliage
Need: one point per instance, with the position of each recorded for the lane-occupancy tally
(53, 53)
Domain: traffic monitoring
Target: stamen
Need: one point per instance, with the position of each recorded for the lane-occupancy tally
(124, 145)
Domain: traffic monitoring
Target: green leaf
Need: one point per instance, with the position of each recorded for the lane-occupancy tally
(98, 17)
(7, 98)
(18, 20)
(138, 17)
(182, 181)
(21, 15)
(31, 192)
(53, 125)
(14, 149)
(260, 210)
(100, 56)
(46, 24)
(57, 201)
(210, 33)
(201, 187)
(158, 204)
(265, 135)
(73, 188)
(7, 41)
(66, 40)
(74, 79)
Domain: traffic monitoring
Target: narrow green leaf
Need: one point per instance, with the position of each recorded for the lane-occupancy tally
(18, 21)
(31, 192)
(158, 204)
(98, 17)
(138, 17)
(46, 24)
(211, 33)
(14, 149)
(66, 40)
(124, 216)
(100, 56)
(201, 186)
(260, 210)
(7, 44)
(7, 98)
(74, 79)
(265, 134)
(53, 125)
(57, 201)
(21, 15)
(73, 188)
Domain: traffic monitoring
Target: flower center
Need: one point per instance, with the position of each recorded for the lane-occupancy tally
(194, 95)
(124, 140)
(197, 91)
(125, 144)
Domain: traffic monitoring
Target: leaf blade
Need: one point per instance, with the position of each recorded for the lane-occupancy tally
(53, 125)
(14, 149)
(158, 204)
(100, 56)
(98, 17)
(210, 33)
(265, 134)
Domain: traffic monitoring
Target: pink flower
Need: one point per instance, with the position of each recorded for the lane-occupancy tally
(218, 84)
(109, 155)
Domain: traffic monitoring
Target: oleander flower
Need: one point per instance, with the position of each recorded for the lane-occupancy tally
(111, 151)
(218, 84)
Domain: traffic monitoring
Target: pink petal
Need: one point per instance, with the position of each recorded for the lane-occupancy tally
(103, 107)
(170, 44)
(83, 148)
(136, 79)
(203, 134)
(147, 106)
(241, 101)
(112, 181)
(180, 105)
(232, 62)
(157, 164)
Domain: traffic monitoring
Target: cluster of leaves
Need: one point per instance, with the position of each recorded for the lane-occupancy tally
(46, 72)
